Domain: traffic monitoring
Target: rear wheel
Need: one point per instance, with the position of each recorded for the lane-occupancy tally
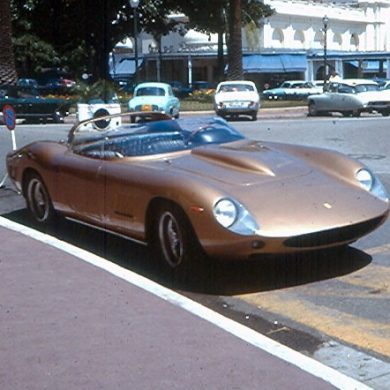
(313, 109)
(38, 199)
(254, 116)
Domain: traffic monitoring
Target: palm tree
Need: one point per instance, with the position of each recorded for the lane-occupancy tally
(7, 60)
(235, 45)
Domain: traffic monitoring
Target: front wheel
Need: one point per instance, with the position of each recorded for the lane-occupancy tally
(356, 113)
(38, 200)
(175, 245)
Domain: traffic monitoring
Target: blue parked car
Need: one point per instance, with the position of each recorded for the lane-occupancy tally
(154, 96)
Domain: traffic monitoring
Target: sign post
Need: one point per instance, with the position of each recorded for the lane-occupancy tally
(9, 117)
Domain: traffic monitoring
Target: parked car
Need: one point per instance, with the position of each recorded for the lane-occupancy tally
(386, 85)
(294, 89)
(179, 89)
(202, 85)
(351, 97)
(29, 105)
(234, 98)
(155, 97)
(194, 186)
(27, 83)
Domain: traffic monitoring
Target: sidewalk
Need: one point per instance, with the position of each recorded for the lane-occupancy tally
(68, 324)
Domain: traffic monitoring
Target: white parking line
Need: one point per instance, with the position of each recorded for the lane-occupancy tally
(252, 337)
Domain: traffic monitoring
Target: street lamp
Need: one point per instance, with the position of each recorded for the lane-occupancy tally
(134, 4)
(325, 22)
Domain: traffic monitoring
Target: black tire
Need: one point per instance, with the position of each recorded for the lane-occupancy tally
(346, 113)
(38, 200)
(312, 109)
(385, 112)
(254, 116)
(174, 243)
(356, 113)
(57, 118)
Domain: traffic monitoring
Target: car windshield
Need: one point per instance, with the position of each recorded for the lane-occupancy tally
(150, 91)
(289, 84)
(146, 138)
(366, 87)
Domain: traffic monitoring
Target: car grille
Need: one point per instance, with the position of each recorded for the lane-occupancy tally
(334, 236)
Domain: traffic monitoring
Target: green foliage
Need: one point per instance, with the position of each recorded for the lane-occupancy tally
(32, 54)
(102, 91)
(202, 95)
(79, 34)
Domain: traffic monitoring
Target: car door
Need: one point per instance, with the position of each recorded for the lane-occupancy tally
(82, 184)
(333, 97)
(126, 196)
(344, 99)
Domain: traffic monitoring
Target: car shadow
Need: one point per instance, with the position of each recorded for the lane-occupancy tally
(216, 277)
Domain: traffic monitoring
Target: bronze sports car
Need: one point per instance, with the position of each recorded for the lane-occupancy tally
(195, 186)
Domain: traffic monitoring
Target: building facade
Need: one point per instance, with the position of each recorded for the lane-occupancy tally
(301, 40)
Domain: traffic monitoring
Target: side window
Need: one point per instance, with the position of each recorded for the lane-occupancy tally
(333, 87)
(345, 89)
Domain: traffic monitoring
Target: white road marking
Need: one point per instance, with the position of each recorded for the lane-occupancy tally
(252, 337)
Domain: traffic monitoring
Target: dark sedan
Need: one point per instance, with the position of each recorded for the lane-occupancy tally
(29, 105)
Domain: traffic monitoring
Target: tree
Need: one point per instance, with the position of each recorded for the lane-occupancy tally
(235, 41)
(7, 62)
(83, 32)
(224, 17)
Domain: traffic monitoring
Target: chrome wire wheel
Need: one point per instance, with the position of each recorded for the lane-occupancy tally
(38, 200)
(170, 236)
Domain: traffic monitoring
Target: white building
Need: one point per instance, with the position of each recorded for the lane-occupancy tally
(289, 44)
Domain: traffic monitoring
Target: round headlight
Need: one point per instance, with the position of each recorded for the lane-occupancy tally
(225, 212)
(365, 178)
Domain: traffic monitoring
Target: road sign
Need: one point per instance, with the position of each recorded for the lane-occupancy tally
(9, 117)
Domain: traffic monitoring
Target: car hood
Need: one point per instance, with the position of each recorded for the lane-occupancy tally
(370, 96)
(241, 163)
(229, 96)
(274, 90)
(279, 189)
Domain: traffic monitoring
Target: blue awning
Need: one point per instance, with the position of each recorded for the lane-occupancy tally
(274, 63)
(368, 65)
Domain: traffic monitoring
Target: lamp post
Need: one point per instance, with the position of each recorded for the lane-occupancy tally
(134, 5)
(325, 22)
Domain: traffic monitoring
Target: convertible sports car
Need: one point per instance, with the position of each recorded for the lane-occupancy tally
(195, 186)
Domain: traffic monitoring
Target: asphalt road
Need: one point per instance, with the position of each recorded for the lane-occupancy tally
(331, 306)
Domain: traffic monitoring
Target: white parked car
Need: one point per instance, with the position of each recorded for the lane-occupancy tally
(350, 97)
(293, 89)
(234, 98)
